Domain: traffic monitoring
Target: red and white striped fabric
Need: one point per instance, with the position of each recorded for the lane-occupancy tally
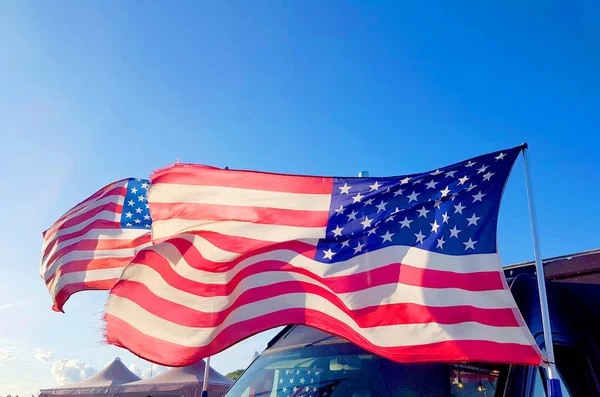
(238, 252)
(88, 247)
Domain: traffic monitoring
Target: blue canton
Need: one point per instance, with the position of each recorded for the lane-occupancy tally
(298, 383)
(452, 210)
(136, 211)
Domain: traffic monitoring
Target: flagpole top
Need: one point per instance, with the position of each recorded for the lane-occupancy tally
(524, 145)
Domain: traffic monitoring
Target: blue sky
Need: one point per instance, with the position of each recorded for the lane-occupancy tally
(91, 93)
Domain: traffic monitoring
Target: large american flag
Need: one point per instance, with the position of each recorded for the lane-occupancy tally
(88, 247)
(406, 267)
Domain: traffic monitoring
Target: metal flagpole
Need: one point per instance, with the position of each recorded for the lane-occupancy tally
(554, 389)
(205, 381)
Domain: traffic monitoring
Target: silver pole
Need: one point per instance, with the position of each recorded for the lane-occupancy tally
(205, 381)
(541, 280)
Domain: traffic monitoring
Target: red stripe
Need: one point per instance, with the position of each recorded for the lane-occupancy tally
(100, 245)
(188, 174)
(100, 224)
(117, 191)
(122, 334)
(389, 314)
(65, 293)
(387, 274)
(88, 264)
(262, 215)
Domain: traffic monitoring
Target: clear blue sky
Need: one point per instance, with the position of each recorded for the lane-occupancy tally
(90, 93)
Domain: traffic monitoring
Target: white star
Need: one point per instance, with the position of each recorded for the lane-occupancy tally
(352, 215)
(367, 222)
(445, 191)
(302, 381)
(381, 206)
(398, 192)
(470, 164)
(340, 211)
(445, 217)
(454, 232)
(285, 389)
(459, 208)
(419, 237)
(436, 172)
(478, 197)
(405, 223)
(471, 187)
(133, 190)
(473, 220)
(369, 202)
(131, 203)
(417, 181)
(147, 205)
(482, 169)
(375, 186)
(358, 248)
(423, 212)
(128, 225)
(440, 243)
(281, 381)
(147, 226)
(141, 198)
(500, 156)
(346, 243)
(396, 211)
(137, 221)
(145, 185)
(487, 176)
(345, 189)
(450, 174)
(389, 219)
(146, 217)
(292, 380)
(295, 389)
(138, 210)
(470, 244)
(431, 185)
(372, 231)
(434, 226)
(405, 181)
(128, 214)
(357, 198)
(387, 237)
(413, 196)
(463, 180)
(437, 203)
(328, 254)
(337, 231)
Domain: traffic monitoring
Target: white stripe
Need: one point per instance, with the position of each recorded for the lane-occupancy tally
(382, 336)
(273, 233)
(98, 202)
(104, 215)
(88, 255)
(410, 256)
(375, 296)
(218, 195)
(96, 234)
(84, 276)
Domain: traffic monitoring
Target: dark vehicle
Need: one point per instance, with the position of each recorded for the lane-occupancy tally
(302, 361)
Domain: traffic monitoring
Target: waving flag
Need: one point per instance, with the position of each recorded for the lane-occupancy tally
(88, 247)
(406, 267)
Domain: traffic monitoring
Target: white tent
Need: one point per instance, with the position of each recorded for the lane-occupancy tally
(100, 384)
(181, 381)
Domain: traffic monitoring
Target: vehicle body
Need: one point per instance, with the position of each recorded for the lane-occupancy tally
(303, 361)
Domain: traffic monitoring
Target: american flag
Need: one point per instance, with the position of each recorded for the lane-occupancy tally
(88, 247)
(405, 267)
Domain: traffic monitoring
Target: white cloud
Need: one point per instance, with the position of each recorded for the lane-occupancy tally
(71, 371)
(145, 372)
(42, 355)
(16, 305)
(6, 354)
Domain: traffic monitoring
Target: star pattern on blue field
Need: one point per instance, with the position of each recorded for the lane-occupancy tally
(136, 210)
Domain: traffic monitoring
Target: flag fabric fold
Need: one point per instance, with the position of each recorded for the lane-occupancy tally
(406, 267)
(90, 245)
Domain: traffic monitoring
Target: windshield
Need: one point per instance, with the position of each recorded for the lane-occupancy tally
(343, 369)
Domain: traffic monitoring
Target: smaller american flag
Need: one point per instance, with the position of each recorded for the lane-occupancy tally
(298, 383)
(88, 247)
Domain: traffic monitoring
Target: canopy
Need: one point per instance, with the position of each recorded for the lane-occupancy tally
(181, 381)
(115, 373)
